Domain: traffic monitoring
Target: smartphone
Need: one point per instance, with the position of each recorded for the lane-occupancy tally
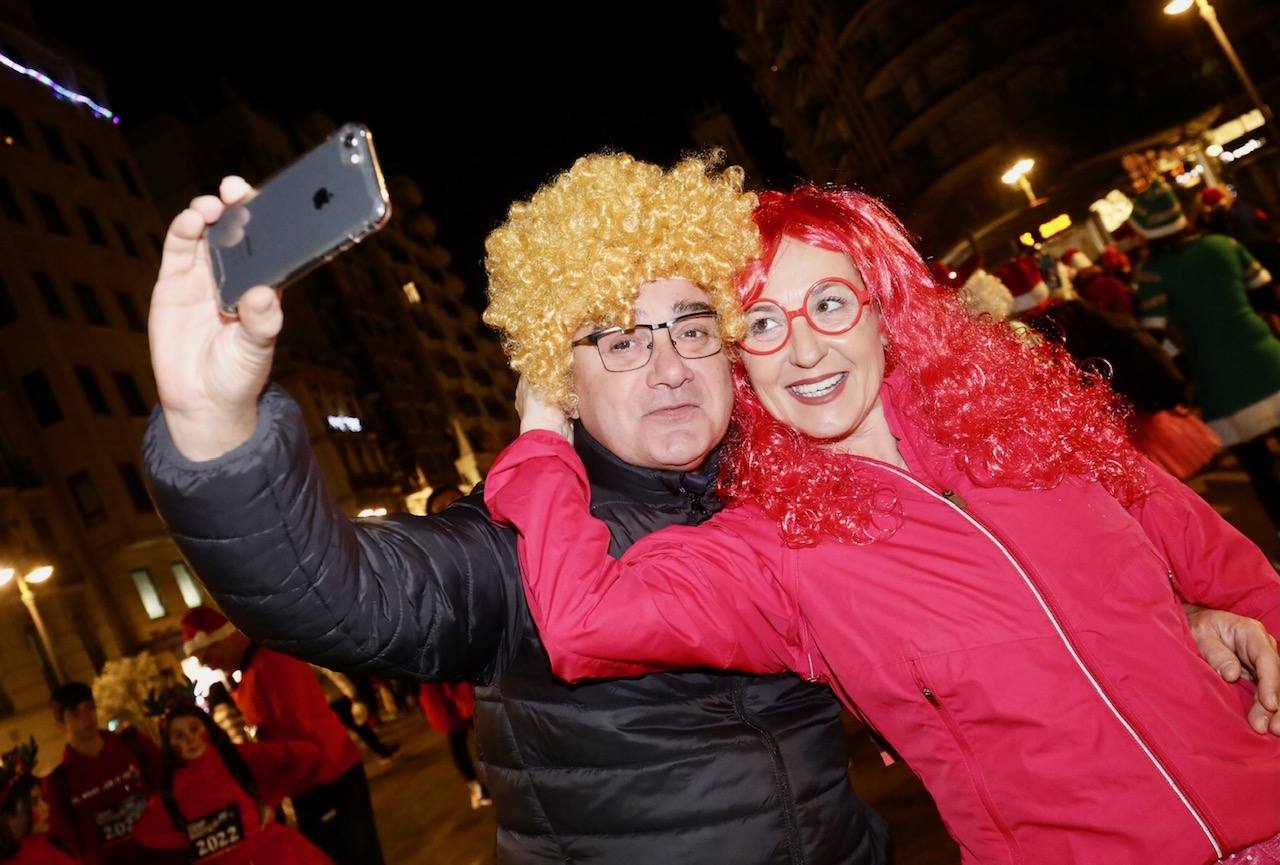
(327, 201)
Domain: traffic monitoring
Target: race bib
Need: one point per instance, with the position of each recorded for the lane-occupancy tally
(215, 833)
(115, 823)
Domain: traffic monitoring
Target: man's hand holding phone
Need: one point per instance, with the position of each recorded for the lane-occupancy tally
(210, 368)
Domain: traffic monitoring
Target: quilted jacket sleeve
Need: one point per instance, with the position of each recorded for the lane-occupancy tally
(426, 597)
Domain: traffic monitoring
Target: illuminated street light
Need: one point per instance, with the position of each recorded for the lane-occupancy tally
(36, 575)
(1210, 16)
(1017, 176)
(40, 574)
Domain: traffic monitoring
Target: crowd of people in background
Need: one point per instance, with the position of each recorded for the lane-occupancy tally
(1179, 310)
(215, 784)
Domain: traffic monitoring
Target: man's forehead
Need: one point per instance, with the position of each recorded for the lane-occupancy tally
(663, 299)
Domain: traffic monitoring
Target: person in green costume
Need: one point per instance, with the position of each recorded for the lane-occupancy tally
(1195, 285)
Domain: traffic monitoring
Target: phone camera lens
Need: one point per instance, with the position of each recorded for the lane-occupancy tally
(350, 140)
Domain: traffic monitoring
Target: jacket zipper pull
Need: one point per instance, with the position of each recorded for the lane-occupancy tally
(695, 503)
(930, 696)
(954, 498)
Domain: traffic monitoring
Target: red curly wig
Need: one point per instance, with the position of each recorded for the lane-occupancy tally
(1015, 415)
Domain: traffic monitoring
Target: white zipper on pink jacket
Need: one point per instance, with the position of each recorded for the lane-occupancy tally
(1030, 583)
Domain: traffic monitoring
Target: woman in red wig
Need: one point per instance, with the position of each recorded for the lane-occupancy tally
(952, 530)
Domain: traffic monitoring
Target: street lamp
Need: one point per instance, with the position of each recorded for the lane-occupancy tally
(1017, 176)
(35, 575)
(1210, 16)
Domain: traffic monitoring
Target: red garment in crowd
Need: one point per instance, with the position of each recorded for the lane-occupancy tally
(1177, 440)
(37, 850)
(224, 824)
(448, 706)
(280, 696)
(1107, 292)
(106, 794)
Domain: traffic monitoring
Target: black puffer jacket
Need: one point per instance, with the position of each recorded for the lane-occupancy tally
(697, 767)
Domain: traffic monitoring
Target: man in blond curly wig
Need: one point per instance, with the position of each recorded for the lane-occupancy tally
(612, 287)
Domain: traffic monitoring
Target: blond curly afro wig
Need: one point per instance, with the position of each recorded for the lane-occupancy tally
(578, 251)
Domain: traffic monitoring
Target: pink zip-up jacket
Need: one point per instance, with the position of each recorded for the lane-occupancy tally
(1025, 652)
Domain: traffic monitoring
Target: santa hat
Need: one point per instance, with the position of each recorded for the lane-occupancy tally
(1076, 260)
(956, 276)
(1023, 279)
(1126, 238)
(1157, 213)
(1212, 196)
(204, 626)
(1114, 261)
(967, 268)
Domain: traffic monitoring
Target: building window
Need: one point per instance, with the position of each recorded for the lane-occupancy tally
(86, 497)
(91, 162)
(186, 584)
(450, 308)
(466, 342)
(8, 312)
(481, 375)
(43, 401)
(429, 327)
(468, 404)
(126, 176)
(449, 365)
(11, 130)
(129, 310)
(126, 240)
(147, 592)
(130, 395)
(48, 294)
(137, 489)
(92, 393)
(49, 212)
(89, 305)
(92, 228)
(497, 410)
(9, 203)
(57, 147)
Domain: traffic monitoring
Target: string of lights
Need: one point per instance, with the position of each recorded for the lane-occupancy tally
(70, 95)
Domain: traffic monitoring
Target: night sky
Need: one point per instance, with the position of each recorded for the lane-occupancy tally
(479, 106)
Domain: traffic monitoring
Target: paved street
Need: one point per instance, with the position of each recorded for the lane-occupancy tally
(424, 818)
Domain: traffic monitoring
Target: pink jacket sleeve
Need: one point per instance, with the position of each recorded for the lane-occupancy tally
(681, 597)
(1212, 564)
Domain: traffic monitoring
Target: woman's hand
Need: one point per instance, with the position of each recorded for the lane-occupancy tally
(536, 413)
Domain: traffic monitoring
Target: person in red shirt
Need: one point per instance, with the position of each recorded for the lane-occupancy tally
(217, 800)
(98, 791)
(20, 844)
(280, 698)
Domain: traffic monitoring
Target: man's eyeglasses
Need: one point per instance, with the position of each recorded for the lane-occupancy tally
(832, 305)
(693, 335)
